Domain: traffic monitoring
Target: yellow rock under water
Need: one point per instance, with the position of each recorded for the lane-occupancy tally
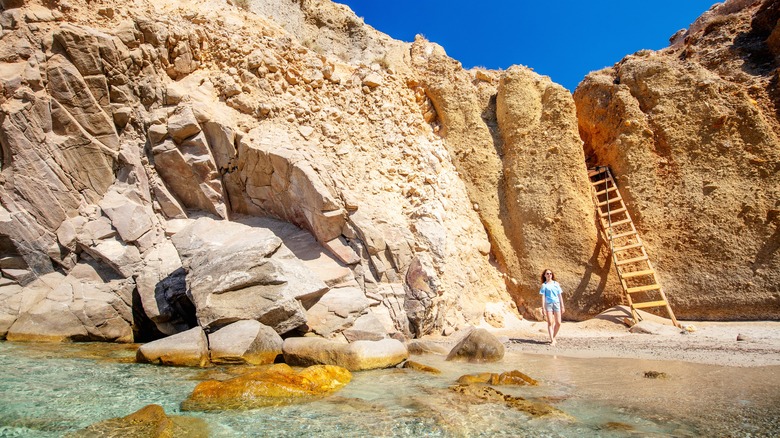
(277, 385)
(149, 421)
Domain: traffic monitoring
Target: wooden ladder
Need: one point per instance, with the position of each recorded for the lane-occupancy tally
(636, 273)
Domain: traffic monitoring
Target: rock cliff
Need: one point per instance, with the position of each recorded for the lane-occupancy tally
(171, 164)
(692, 133)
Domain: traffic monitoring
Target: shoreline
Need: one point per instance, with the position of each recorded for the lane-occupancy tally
(731, 343)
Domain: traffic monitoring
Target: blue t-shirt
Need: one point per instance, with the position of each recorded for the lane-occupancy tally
(551, 291)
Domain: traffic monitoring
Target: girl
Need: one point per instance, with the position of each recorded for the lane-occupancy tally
(552, 302)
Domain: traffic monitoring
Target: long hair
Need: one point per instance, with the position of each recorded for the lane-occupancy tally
(553, 275)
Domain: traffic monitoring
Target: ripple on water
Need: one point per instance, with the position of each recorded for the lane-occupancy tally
(50, 390)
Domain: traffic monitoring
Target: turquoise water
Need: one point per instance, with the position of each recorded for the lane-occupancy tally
(48, 390)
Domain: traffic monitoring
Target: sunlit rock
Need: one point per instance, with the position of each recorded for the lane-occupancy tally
(477, 346)
(189, 348)
(89, 304)
(355, 356)
(245, 341)
(277, 385)
(417, 366)
(237, 272)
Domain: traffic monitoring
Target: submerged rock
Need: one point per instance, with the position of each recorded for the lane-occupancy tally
(421, 367)
(488, 394)
(149, 421)
(277, 385)
(507, 378)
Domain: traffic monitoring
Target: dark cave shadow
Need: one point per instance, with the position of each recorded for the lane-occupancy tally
(169, 293)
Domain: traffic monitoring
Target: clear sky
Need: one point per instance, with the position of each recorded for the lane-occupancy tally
(563, 39)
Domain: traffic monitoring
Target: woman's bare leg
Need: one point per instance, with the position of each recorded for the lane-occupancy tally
(557, 325)
(550, 327)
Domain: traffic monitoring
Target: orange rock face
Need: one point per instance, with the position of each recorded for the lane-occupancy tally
(691, 132)
(277, 385)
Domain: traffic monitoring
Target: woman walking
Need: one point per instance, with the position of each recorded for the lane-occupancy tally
(552, 302)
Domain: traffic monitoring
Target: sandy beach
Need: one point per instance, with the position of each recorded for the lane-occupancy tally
(739, 344)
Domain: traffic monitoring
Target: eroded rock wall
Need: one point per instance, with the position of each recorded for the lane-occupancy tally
(691, 132)
(122, 124)
(417, 196)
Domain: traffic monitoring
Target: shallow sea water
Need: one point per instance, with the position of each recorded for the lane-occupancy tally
(49, 390)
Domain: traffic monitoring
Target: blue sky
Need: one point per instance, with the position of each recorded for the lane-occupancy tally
(562, 39)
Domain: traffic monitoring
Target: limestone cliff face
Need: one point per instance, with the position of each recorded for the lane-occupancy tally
(170, 164)
(692, 134)
(123, 124)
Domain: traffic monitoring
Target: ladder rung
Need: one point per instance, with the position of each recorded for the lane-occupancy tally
(609, 213)
(633, 290)
(649, 304)
(611, 189)
(602, 182)
(626, 234)
(627, 247)
(610, 201)
(621, 222)
(637, 273)
(634, 260)
(596, 171)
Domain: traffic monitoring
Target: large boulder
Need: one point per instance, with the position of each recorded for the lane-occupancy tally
(10, 305)
(355, 356)
(237, 272)
(337, 310)
(88, 304)
(188, 348)
(477, 346)
(274, 386)
(244, 342)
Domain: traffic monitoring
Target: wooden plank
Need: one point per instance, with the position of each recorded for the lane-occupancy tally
(596, 171)
(638, 273)
(609, 213)
(610, 201)
(621, 222)
(634, 260)
(633, 290)
(611, 189)
(627, 247)
(626, 234)
(661, 303)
